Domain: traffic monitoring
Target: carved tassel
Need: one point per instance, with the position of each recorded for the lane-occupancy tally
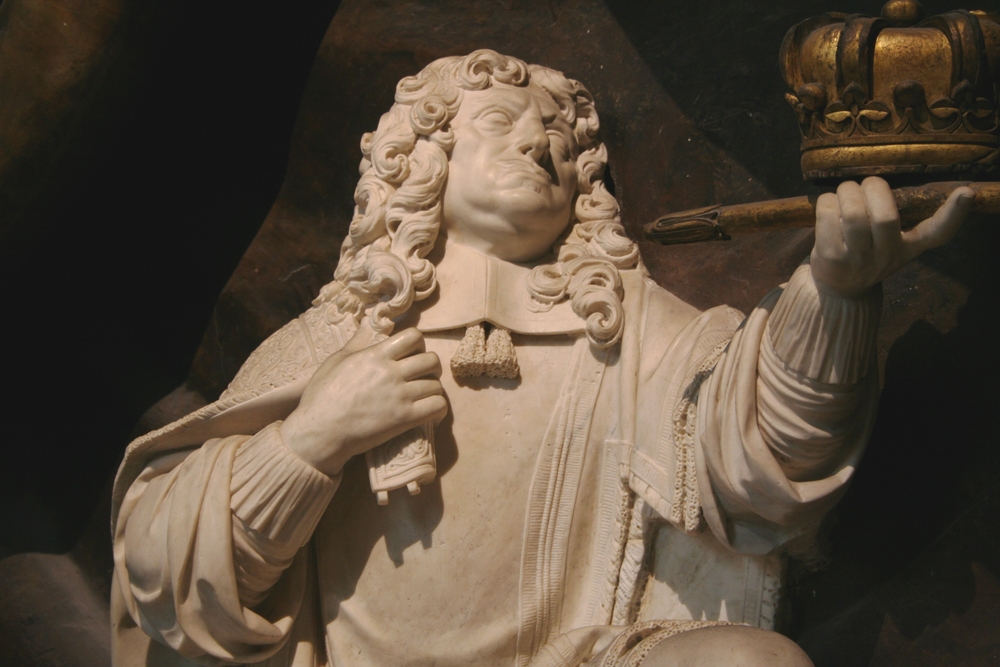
(467, 362)
(479, 355)
(408, 459)
(501, 359)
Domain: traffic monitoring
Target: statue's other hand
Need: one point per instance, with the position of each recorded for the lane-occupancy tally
(859, 241)
(363, 396)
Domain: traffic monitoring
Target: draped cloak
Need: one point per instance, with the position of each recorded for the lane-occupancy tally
(749, 428)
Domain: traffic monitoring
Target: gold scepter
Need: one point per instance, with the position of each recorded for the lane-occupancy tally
(717, 223)
(882, 96)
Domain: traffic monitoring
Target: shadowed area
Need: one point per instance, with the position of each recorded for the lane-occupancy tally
(188, 149)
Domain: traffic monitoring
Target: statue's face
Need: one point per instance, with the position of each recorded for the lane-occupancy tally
(512, 173)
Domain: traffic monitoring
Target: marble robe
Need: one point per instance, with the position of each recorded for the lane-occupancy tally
(734, 435)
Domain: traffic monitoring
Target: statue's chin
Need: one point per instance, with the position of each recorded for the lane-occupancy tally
(528, 196)
(523, 231)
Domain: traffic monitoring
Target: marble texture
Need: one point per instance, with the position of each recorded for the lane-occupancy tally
(248, 530)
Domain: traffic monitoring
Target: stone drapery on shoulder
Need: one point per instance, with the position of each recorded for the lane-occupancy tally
(737, 427)
(762, 422)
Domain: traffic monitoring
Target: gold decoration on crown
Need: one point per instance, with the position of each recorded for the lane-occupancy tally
(895, 94)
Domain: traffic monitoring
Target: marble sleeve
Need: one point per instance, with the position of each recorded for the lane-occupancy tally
(762, 419)
(784, 415)
(208, 546)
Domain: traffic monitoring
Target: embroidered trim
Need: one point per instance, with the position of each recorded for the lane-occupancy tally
(631, 647)
(685, 508)
(301, 343)
(631, 578)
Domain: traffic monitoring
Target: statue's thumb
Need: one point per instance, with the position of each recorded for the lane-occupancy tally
(362, 338)
(944, 224)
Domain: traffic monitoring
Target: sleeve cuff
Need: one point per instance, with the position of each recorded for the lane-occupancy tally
(824, 337)
(275, 493)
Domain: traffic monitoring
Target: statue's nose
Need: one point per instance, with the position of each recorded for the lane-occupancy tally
(533, 140)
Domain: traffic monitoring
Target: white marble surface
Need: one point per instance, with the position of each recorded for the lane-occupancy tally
(248, 531)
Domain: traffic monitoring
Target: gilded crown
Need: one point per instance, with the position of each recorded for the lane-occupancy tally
(895, 94)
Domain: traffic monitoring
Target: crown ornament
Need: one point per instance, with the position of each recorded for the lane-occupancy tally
(897, 94)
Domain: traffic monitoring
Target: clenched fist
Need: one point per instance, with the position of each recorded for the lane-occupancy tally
(859, 242)
(363, 396)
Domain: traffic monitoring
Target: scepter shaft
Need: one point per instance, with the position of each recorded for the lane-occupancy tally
(719, 222)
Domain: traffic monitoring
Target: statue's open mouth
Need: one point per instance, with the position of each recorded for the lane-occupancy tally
(532, 169)
(529, 174)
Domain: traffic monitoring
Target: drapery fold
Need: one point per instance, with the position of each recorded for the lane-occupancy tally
(182, 584)
(777, 447)
(771, 438)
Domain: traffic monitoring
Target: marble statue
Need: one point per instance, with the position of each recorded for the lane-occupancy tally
(559, 454)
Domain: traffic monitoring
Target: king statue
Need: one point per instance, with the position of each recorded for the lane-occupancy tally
(591, 442)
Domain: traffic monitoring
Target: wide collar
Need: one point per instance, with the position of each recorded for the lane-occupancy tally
(474, 288)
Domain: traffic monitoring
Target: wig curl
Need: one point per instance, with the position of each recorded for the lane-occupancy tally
(383, 266)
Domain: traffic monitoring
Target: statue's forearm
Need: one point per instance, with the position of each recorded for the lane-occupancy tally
(815, 375)
(277, 500)
(785, 414)
(823, 337)
(228, 518)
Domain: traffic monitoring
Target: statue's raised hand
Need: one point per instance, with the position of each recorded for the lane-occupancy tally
(363, 396)
(859, 241)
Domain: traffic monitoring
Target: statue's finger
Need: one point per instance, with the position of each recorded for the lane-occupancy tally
(418, 389)
(432, 408)
(882, 213)
(829, 237)
(854, 217)
(427, 364)
(403, 344)
(942, 226)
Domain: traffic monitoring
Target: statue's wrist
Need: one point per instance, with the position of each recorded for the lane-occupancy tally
(318, 452)
(828, 289)
(855, 294)
(827, 338)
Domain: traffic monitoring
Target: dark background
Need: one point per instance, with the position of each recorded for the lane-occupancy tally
(144, 146)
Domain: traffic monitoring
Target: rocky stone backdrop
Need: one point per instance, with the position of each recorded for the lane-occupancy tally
(175, 182)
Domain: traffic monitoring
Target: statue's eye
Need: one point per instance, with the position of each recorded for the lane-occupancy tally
(496, 120)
